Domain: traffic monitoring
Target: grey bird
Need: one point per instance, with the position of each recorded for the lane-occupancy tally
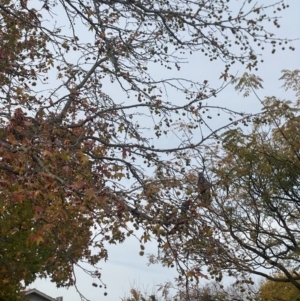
(203, 187)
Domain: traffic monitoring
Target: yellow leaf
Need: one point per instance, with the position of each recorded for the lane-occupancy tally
(190, 274)
(36, 193)
(146, 237)
(121, 128)
(19, 90)
(36, 237)
(39, 239)
(47, 153)
(84, 159)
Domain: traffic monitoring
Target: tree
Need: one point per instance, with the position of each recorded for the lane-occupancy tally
(255, 212)
(211, 291)
(67, 145)
(276, 291)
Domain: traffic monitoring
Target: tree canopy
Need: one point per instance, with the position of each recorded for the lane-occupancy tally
(211, 291)
(82, 113)
(281, 291)
(255, 212)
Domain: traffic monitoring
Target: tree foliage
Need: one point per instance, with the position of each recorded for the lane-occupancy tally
(211, 291)
(79, 165)
(278, 291)
(255, 212)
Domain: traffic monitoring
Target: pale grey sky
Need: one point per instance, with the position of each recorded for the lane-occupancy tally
(125, 266)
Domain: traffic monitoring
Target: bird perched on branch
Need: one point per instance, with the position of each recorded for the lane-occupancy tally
(203, 187)
(185, 206)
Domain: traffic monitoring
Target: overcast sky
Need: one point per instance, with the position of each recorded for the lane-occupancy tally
(125, 267)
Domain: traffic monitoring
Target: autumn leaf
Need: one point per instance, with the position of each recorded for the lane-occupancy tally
(36, 238)
(90, 192)
(224, 75)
